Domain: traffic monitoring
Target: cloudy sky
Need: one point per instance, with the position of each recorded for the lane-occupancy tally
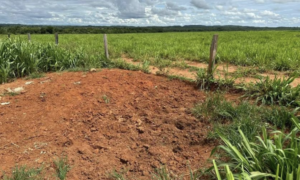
(151, 12)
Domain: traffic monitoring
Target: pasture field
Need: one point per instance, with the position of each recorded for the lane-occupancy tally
(277, 50)
(79, 116)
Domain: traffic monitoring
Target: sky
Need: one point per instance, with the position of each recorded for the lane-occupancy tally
(271, 13)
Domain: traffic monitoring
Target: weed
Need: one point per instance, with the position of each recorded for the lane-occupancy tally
(62, 168)
(194, 69)
(35, 75)
(22, 173)
(206, 82)
(106, 99)
(274, 91)
(280, 117)
(11, 93)
(124, 65)
(145, 67)
(244, 73)
(79, 69)
(164, 174)
(117, 176)
(228, 117)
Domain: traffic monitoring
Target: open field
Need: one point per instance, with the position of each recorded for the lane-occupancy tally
(73, 112)
(277, 50)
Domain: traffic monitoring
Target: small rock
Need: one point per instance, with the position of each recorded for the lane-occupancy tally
(145, 173)
(141, 129)
(39, 161)
(5, 103)
(28, 83)
(147, 146)
(77, 83)
(8, 90)
(48, 80)
(18, 90)
(93, 70)
(93, 129)
(139, 122)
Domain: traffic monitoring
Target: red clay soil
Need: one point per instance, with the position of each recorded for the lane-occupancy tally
(102, 121)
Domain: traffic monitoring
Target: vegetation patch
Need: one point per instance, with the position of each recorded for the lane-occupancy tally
(208, 82)
(228, 117)
(274, 91)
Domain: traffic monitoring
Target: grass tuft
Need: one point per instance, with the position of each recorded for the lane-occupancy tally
(22, 173)
(62, 168)
(274, 91)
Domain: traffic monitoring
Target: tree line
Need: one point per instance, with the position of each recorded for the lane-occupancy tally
(25, 29)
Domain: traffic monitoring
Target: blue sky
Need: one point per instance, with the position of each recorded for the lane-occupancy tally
(152, 12)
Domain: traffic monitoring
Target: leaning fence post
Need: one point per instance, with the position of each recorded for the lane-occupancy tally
(29, 37)
(213, 53)
(56, 38)
(106, 46)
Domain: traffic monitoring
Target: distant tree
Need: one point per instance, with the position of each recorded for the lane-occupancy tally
(43, 30)
(49, 29)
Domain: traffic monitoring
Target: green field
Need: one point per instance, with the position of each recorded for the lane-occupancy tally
(276, 50)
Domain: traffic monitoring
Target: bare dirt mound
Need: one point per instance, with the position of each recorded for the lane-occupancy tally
(103, 121)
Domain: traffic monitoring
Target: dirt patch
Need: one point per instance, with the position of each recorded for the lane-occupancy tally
(103, 121)
(221, 69)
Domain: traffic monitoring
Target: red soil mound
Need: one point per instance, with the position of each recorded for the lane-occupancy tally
(103, 121)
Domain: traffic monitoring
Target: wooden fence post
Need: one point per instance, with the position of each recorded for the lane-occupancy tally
(29, 37)
(8, 35)
(106, 46)
(56, 38)
(213, 53)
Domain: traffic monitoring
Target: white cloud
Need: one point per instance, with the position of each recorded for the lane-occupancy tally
(151, 12)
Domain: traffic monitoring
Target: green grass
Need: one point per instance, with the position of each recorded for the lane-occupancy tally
(62, 168)
(277, 50)
(228, 117)
(35, 75)
(106, 99)
(274, 154)
(11, 94)
(204, 81)
(252, 147)
(23, 173)
(19, 59)
(274, 91)
(251, 72)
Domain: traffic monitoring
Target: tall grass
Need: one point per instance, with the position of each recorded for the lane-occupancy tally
(19, 58)
(274, 155)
